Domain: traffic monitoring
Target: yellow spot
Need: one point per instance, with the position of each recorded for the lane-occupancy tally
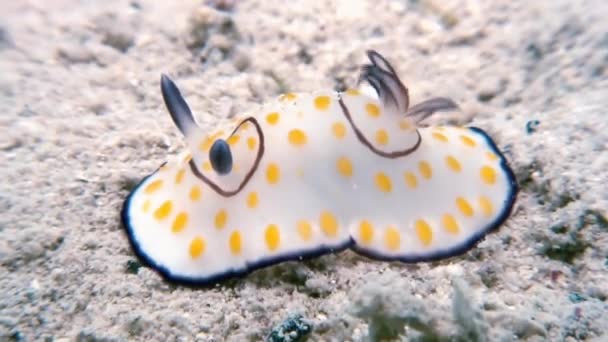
(344, 166)
(322, 102)
(273, 173)
(464, 207)
(234, 242)
(328, 223)
(424, 232)
(180, 222)
(488, 175)
(353, 92)
(146, 206)
(272, 118)
(410, 180)
(288, 97)
(154, 186)
(452, 163)
(486, 206)
(491, 156)
(233, 139)
(366, 232)
(163, 211)
(207, 166)
(450, 224)
(467, 141)
(220, 219)
(251, 143)
(297, 137)
(197, 247)
(405, 125)
(440, 137)
(339, 130)
(179, 176)
(273, 237)
(381, 137)
(392, 238)
(304, 230)
(252, 200)
(372, 109)
(383, 182)
(206, 144)
(195, 193)
(425, 169)
(244, 126)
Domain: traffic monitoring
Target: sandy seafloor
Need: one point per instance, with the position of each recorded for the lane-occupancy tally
(82, 121)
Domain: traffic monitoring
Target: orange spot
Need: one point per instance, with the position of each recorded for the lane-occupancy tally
(450, 224)
(179, 176)
(195, 193)
(487, 174)
(252, 143)
(381, 137)
(338, 130)
(163, 211)
(322, 102)
(486, 206)
(273, 173)
(197, 247)
(405, 125)
(344, 166)
(366, 232)
(146, 206)
(424, 232)
(453, 163)
(234, 242)
(252, 200)
(297, 137)
(410, 180)
(328, 224)
(304, 230)
(372, 109)
(272, 118)
(464, 207)
(425, 170)
(220, 219)
(383, 182)
(244, 126)
(440, 137)
(467, 141)
(206, 144)
(233, 139)
(154, 186)
(353, 92)
(273, 237)
(392, 238)
(179, 223)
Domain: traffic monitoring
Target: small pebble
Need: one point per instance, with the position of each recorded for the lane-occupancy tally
(531, 126)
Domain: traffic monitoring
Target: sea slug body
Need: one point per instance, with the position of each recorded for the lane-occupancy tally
(313, 173)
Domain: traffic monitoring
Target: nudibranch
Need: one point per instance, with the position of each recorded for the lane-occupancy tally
(313, 173)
